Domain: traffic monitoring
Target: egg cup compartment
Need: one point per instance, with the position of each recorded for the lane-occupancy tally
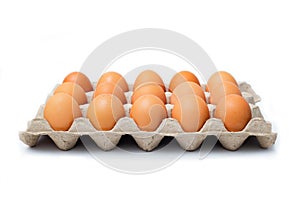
(108, 140)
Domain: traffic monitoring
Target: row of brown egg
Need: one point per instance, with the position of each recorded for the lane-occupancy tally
(231, 107)
(148, 101)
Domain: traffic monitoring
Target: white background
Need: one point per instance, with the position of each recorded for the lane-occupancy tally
(257, 41)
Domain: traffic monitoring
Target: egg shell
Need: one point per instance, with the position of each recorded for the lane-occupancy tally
(114, 78)
(218, 78)
(221, 90)
(74, 90)
(110, 88)
(104, 111)
(187, 88)
(191, 112)
(234, 111)
(148, 111)
(60, 111)
(80, 79)
(148, 76)
(149, 88)
(181, 77)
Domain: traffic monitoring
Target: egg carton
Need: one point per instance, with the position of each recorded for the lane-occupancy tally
(108, 140)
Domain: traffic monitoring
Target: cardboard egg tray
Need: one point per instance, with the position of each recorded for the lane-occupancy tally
(107, 140)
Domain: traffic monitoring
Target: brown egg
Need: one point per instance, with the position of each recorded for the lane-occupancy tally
(104, 111)
(219, 77)
(234, 111)
(221, 90)
(148, 111)
(148, 76)
(187, 88)
(109, 88)
(74, 90)
(60, 111)
(191, 112)
(181, 77)
(114, 78)
(81, 79)
(150, 88)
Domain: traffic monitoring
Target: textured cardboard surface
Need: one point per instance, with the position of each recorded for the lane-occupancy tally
(148, 141)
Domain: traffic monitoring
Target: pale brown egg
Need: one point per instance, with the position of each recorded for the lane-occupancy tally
(191, 112)
(218, 78)
(114, 78)
(148, 111)
(234, 111)
(221, 90)
(187, 88)
(80, 79)
(149, 88)
(110, 88)
(74, 90)
(148, 76)
(181, 77)
(104, 111)
(60, 111)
